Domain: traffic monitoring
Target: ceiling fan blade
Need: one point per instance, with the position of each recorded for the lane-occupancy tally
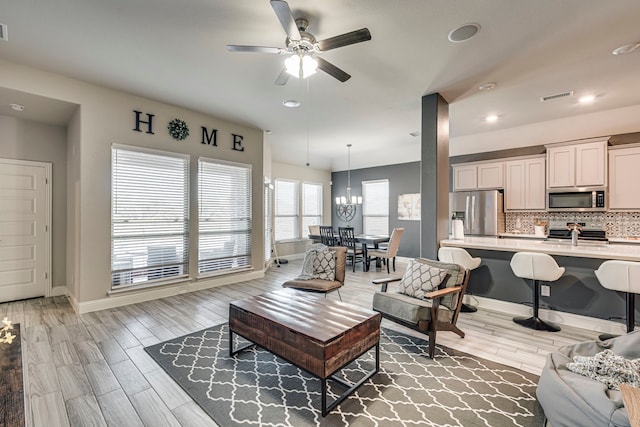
(283, 78)
(332, 70)
(357, 36)
(259, 49)
(283, 12)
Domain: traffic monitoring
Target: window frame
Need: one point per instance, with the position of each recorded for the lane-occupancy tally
(366, 215)
(319, 215)
(126, 274)
(295, 214)
(236, 262)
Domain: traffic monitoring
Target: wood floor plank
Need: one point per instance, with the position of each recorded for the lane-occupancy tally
(130, 378)
(49, 410)
(152, 410)
(169, 391)
(192, 415)
(85, 411)
(73, 381)
(101, 378)
(118, 410)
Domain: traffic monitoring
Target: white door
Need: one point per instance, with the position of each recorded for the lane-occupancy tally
(24, 229)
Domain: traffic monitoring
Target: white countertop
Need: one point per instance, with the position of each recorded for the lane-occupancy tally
(629, 252)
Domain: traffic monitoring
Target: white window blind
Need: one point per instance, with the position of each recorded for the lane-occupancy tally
(149, 216)
(311, 206)
(375, 207)
(224, 206)
(268, 221)
(286, 210)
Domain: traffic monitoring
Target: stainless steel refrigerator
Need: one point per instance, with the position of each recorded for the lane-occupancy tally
(482, 212)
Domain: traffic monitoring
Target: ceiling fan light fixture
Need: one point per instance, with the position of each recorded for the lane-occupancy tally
(301, 65)
(627, 48)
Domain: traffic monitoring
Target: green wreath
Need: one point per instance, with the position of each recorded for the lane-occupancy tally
(178, 129)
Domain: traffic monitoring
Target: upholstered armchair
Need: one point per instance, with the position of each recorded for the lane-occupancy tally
(324, 286)
(429, 298)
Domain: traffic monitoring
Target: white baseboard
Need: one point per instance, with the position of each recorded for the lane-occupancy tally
(59, 290)
(557, 317)
(136, 296)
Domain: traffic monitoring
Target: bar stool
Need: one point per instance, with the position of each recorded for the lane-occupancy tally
(461, 257)
(621, 276)
(536, 267)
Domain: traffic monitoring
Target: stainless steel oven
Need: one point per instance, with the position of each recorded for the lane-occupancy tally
(588, 199)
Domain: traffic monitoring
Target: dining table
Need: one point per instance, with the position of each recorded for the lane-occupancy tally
(366, 240)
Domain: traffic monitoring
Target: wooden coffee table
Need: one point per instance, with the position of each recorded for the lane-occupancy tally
(318, 335)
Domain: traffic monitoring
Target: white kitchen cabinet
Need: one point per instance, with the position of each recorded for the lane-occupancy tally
(478, 176)
(465, 177)
(624, 178)
(490, 175)
(524, 186)
(577, 165)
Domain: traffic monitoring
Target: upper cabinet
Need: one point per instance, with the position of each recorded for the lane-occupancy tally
(478, 176)
(524, 184)
(624, 176)
(577, 165)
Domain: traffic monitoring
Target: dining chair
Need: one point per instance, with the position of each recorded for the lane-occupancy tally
(348, 240)
(327, 237)
(390, 252)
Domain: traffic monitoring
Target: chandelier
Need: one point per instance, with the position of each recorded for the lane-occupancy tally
(346, 205)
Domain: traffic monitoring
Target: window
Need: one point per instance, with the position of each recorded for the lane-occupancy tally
(375, 207)
(286, 210)
(268, 220)
(224, 216)
(149, 216)
(311, 206)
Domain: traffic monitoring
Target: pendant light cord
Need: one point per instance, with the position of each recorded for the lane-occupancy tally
(308, 120)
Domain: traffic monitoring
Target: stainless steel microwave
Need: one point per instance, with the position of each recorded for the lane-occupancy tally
(585, 200)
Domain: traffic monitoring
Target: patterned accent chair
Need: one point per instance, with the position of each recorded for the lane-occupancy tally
(437, 290)
(321, 285)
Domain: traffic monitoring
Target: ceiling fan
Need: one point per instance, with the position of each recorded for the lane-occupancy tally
(303, 48)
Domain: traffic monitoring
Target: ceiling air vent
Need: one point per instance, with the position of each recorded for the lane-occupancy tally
(3, 32)
(556, 96)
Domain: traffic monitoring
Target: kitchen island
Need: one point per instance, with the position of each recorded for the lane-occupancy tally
(577, 291)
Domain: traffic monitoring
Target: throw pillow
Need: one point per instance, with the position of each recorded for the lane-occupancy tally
(421, 278)
(324, 265)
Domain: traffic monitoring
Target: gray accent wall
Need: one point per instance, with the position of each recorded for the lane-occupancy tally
(403, 178)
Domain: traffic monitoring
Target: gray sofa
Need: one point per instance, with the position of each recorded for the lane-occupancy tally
(570, 399)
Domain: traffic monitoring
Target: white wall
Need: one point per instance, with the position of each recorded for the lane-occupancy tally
(28, 140)
(106, 118)
(304, 174)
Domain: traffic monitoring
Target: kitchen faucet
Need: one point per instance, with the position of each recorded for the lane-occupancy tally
(575, 230)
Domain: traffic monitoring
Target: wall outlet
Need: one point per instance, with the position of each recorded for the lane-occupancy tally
(545, 290)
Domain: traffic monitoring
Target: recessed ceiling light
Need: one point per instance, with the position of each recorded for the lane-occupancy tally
(17, 107)
(415, 134)
(487, 86)
(627, 48)
(463, 32)
(267, 131)
(491, 118)
(291, 103)
(586, 99)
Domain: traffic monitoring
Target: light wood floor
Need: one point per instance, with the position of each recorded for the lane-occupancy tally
(92, 370)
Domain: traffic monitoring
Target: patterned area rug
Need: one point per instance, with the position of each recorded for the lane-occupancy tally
(259, 389)
(11, 388)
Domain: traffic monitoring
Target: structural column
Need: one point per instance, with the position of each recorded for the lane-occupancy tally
(434, 175)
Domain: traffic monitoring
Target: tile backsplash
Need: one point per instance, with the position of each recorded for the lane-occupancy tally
(616, 224)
